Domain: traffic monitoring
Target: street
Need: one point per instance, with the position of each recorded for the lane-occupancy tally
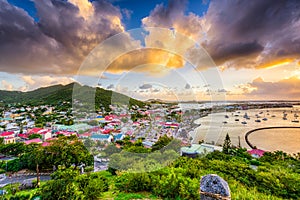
(7, 180)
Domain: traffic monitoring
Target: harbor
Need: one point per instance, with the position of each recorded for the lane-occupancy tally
(215, 126)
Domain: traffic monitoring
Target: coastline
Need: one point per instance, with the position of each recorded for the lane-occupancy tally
(212, 130)
(265, 128)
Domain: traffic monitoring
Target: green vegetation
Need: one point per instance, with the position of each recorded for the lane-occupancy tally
(65, 151)
(226, 144)
(33, 136)
(276, 177)
(136, 172)
(57, 94)
(68, 184)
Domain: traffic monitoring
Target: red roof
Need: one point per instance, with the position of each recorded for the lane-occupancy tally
(95, 129)
(66, 133)
(258, 152)
(107, 131)
(36, 140)
(8, 138)
(45, 131)
(23, 135)
(34, 130)
(45, 144)
(85, 134)
(8, 133)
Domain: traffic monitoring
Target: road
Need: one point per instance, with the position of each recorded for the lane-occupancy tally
(7, 180)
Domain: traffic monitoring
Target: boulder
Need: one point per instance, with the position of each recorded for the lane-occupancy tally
(214, 187)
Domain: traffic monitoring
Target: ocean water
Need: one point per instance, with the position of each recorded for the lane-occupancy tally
(212, 128)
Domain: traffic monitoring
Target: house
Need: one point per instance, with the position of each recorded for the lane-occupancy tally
(119, 136)
(8, 137)
(73, 128)
(9, 140)
(102, 137)
(198, 149)
(84, 135)
(148, 144)
(7, 134)
(23, 136)
(65, 133)
(34, 130)
(36, 140)
(45, 133)
(256, 153)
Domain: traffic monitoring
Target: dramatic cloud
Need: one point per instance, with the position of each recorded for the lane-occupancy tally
(283, 89)
(253, 34)
(59, 41)
(172, 16)
(240, 34)
(151, 61)
(7, 86)
(34, 82)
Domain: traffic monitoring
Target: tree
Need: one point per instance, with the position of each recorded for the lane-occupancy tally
(227, 144)
(162, 142)
(68, 184)
(68, 151)
(33, 136)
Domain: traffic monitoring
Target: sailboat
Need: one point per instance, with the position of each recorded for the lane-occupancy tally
(284, 116)
(295, 118)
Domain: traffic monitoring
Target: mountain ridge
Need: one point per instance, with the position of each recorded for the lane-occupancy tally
(59, 93)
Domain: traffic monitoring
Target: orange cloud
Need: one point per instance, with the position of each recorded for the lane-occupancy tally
(275, 63)
(86, 9)
(146, 60)
(282, 89)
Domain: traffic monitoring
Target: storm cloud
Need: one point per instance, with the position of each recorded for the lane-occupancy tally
(59, 40)
(239, 34)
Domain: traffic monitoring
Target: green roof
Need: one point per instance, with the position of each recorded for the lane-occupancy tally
(197, 148)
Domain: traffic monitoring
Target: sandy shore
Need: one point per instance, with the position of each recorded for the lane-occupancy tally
(212, 128)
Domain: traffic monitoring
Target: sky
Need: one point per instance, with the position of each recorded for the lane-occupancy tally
(171, 49)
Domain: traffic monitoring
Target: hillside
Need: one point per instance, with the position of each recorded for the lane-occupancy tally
(58, 93)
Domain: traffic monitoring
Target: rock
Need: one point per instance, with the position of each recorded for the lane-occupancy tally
(214, 187)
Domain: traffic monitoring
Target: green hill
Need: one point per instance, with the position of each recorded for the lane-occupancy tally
(58, 93)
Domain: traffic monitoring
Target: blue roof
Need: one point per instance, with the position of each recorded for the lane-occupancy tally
(100, 136)
(118, 136)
